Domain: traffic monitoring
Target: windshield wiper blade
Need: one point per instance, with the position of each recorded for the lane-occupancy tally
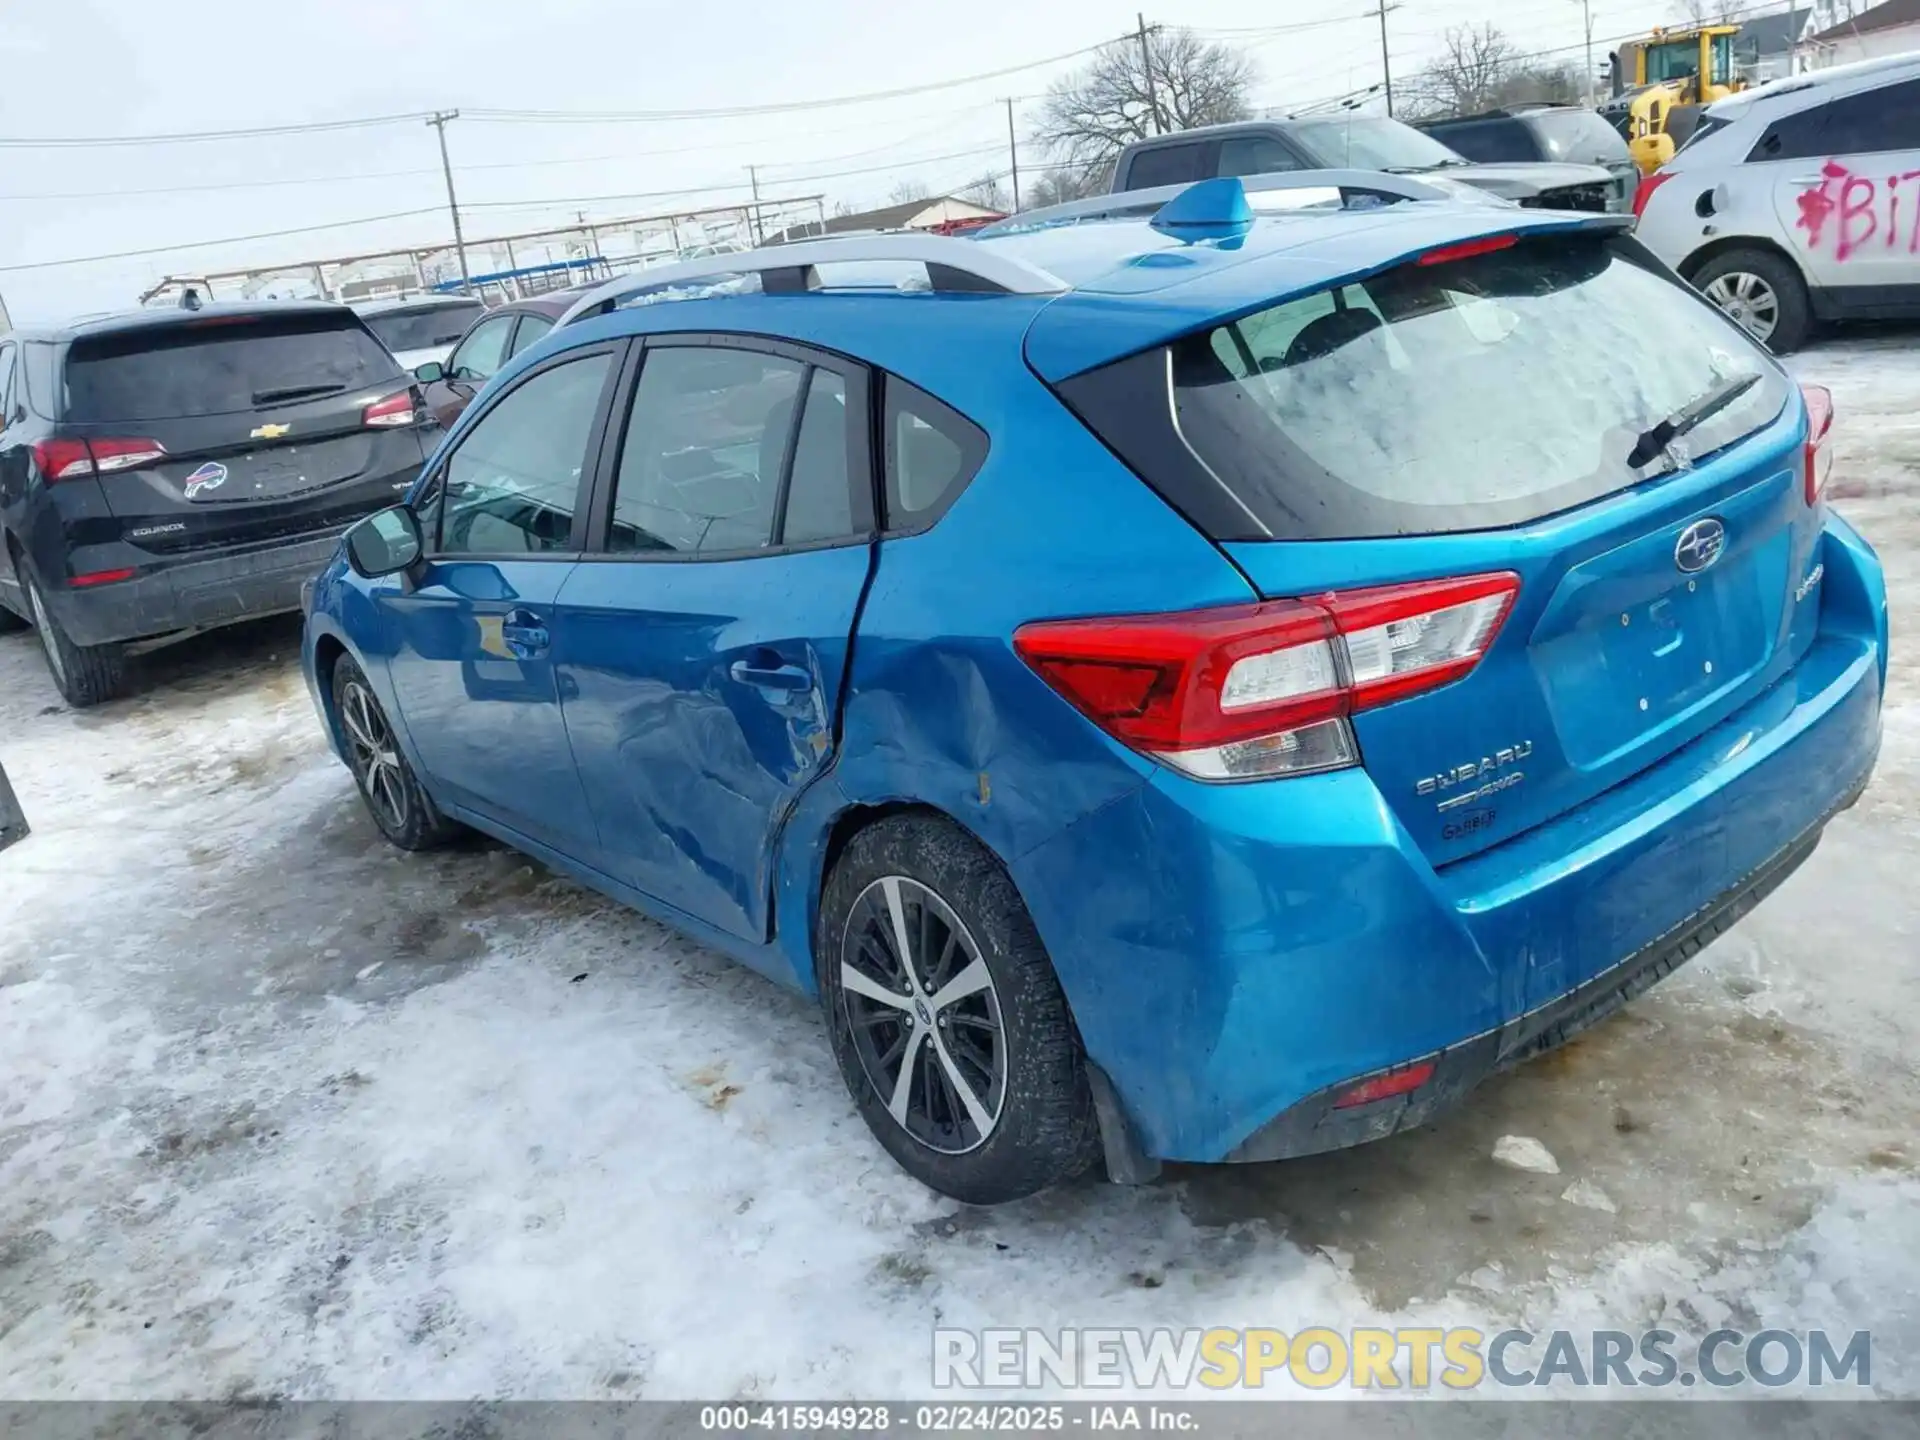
(1694, 413)
(295, 392)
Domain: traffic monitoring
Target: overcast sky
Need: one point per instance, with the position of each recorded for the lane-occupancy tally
(129, 67)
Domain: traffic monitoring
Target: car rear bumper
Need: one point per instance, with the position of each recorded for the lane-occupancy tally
(194, 593)
(1237, 956)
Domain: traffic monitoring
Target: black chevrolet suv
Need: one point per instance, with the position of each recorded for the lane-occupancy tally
(166, 471)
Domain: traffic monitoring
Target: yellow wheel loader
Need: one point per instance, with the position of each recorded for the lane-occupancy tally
(1660, 84)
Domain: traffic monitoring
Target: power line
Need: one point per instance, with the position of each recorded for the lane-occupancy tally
(187, 137)
(226, 240)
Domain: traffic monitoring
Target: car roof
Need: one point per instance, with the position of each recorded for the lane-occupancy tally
(1109, 286)
(403, 303)
(1800, 91)
(157, 317)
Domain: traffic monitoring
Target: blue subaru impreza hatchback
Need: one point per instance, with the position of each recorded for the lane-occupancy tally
(1209, 683)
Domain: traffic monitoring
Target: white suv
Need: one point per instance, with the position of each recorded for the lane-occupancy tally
(1799, 201)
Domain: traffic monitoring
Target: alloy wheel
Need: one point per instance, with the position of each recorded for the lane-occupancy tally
(1748, 300)
(376, 758)
(43, 625)
(924, 1015)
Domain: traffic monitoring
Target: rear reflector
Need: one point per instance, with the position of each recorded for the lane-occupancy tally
(1467, 249)
(393, 411)
(75, 459)
(1819, 454)
(100, 577)
(1384, 1087)
(1246, 692)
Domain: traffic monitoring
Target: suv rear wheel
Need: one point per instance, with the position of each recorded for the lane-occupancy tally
(85, 675)
(1762, 293)
(946, 1018)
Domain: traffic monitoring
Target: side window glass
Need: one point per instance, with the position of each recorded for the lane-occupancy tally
(483, 351)
(1254, 155)
(532, 327)
(820, 491)
(706, 443)
(932, 451)
(1793, 137)
(513, 484)
(1875, 120)
(1164, 165)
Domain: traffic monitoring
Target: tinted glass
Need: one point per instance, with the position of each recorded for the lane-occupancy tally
(532, 327)
(482, 352)
(513, 484)
(1254, 155)
(1883, 119)
(8, 357)
(219, 366)
(426, 329)
(705, 444)
(36, 369)
(1793, 137)
(1490, 141)
(1164, 165)
(932, 451)
(1369, 143)
(819, 491)
(1578, 137)
(1367, 412)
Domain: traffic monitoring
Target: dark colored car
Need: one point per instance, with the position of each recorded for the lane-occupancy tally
(167, 471)
(494, 339)
(1358, 142)
(1566, 134)
(419, 328)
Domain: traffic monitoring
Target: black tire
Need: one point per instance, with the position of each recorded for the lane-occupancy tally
(388, 787)
(1012, 1040)
(85, 675)
(1792, 310)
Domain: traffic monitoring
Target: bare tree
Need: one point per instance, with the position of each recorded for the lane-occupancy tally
(989, 191)
(1057, 186)
(1122, 95)
(1716, 12)
(1474, 62)
(907, 190)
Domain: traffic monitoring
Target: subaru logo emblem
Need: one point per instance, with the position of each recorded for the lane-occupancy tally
(1699, 545)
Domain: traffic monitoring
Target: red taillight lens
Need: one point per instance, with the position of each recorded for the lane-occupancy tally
(75, 459)
(100, 577)
(1251, 691)
(394, 410)
(1643, 192)
(1466, 249)
(1385, 1087)
(1819, 455)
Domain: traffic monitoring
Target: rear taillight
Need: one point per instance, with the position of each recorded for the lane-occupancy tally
(1818, 463)
(101, 577)
(1251, 691)
(75, 459)
(388, 413)
(1385, 1087)
(1643, 192)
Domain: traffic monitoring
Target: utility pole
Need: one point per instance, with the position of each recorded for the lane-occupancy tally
(1386, 64)
(439, 120)
(1146, 68)
(1586, 15)
(1013, 156)
(753, 178)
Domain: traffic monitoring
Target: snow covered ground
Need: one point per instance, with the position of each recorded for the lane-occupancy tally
(283, 1111)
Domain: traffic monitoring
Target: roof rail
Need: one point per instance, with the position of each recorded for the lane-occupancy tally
(953, 264)
(1374, 185)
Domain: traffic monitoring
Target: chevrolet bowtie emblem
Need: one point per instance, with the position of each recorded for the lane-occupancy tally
(269, 432)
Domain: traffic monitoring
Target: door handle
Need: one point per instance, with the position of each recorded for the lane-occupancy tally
(525, 633)
(784, 678)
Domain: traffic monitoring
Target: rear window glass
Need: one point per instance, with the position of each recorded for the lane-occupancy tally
(427, 329)
(1578, 137)
(219, 366)
(1466, 395)
(1489, 141)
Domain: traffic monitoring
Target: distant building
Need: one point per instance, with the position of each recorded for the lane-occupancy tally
(939, 214)
(1769, 46)
(1891, 28)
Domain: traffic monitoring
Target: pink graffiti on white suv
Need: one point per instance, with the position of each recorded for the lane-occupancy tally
(1850, 210)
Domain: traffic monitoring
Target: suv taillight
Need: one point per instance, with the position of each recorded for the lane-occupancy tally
(1819, 456)
(75, 459)
(1246, 692)
(392, 411)
(1644, 191)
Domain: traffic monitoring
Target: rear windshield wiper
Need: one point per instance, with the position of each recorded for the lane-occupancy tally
(295, 392)
(1694, 413)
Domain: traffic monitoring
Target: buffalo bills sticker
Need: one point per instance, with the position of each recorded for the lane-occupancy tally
(210, 476)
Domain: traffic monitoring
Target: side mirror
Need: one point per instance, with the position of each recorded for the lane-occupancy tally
(384, 543)
(431, 371)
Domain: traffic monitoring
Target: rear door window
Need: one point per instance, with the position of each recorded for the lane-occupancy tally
(1166, 165)
(513, 484)
(1875, 120)
(1471, 394)
(1799, 136)
(1254, 155)
(220, 366)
